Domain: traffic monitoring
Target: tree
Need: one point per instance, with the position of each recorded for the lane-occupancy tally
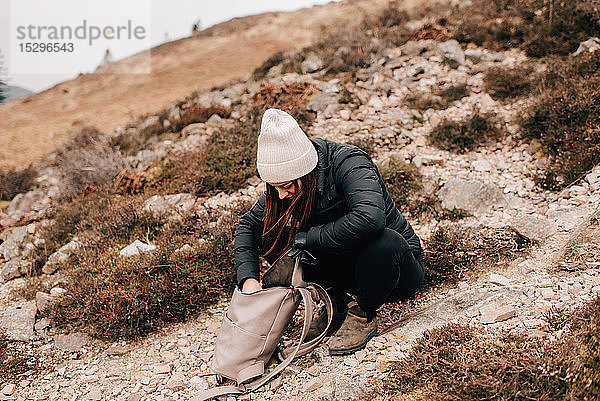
(3, 91)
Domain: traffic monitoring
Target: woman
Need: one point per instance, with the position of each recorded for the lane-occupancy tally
(329, 199)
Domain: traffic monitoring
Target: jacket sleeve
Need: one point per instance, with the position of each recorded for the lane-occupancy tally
(247, 239)
(357, 178)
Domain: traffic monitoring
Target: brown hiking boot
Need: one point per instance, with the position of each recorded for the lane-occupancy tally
(355, 333)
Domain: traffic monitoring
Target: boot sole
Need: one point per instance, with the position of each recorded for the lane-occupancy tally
(354, 348)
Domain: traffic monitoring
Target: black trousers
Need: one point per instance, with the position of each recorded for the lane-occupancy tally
(382, 270)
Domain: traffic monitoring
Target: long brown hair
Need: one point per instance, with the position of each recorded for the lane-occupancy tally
(294, 212)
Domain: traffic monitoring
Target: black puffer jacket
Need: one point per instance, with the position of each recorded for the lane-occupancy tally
(352, 206)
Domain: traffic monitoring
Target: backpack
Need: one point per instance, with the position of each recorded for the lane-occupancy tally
(254, 324)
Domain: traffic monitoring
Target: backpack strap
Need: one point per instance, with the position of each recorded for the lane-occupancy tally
(305, 348)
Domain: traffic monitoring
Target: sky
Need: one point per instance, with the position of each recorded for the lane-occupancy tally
(157, 21)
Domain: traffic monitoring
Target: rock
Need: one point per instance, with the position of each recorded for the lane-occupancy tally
(9, 389)
(427, 160)
(593, 179)
(33, 201)
(149, 125)
(547, 293)
(162, 369)
(14, 268)
(134, 397)
(177, 382)
(498, 279)
(452, 53)
(117, 349)
(43, 300)
(494, 57)
(193, 143)
(57, 292)
(71, 342)
(345, 388)
(375, 102)
(184, 248)
(321, 100)
(345, 114)
(386, 361)
(214, 121)
(311, 64)
(312, 384)
(590, 45)
(470, 195)
(348, 127)
(61, 257)
(569, 217)
(474, 55)
(533, 226)
(95, 394)
(171, 207)
(18, 319)
(417, 48)
(493, 312)
(13, 241)
(194, 129)
(482, 165)
(42, 324)
(135, 248)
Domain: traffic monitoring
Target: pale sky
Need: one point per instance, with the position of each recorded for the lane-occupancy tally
(172, 19)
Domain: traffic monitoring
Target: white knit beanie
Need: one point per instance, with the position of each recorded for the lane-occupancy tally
(284, 151)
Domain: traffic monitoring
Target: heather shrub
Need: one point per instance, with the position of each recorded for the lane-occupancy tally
(505, 83)
(451, 252)
(466, 134)
(565, 118)
(16, 181)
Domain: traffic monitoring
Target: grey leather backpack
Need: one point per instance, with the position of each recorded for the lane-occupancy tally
(254, 324)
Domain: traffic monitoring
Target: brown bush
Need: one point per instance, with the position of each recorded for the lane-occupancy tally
(503, 83)
(464, 135)
(451, 252)
(87, 160)
(116, 298)
(455, 362)
(566, 121)
(291, 98)
(16, 181)
(18, 359)
(557, 28)
(441, 98)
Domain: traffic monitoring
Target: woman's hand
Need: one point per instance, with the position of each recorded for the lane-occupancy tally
(251, 285)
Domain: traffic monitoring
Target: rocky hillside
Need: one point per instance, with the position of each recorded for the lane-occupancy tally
(32, 125)
(120, 224)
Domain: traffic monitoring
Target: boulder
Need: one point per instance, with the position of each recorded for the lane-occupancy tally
(474, 55)
(590, 45)
(62, 256)
(14, 268)
(472, 196)
(18, 319)
(451, 53)
(13, 241)
(321, 100)
(135, 248)
(33, 201)
(171, 207)
(417, 48)
(533, 226)
(311, 64)
(71, 342)
(193, 129)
